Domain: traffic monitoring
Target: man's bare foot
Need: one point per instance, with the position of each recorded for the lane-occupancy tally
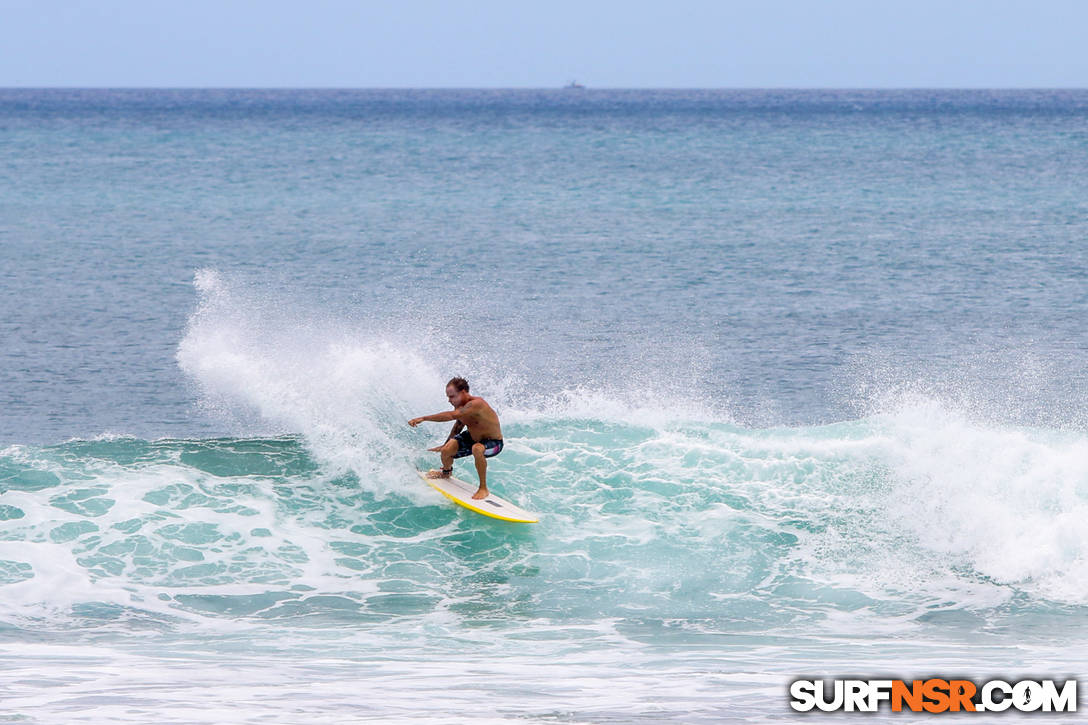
(481, 492)
(439, 474)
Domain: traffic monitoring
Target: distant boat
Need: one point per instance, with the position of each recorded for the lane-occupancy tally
(574, 86)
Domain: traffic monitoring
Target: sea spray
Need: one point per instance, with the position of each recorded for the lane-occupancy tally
(347, 392)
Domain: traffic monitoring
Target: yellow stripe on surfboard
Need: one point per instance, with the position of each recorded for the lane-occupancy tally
(460, 492)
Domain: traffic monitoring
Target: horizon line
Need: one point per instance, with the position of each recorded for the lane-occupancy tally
(536, 88)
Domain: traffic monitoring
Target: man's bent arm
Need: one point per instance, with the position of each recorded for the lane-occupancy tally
(457, 428)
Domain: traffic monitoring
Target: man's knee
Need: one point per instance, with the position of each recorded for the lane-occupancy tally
(451, 446)
(478, 449)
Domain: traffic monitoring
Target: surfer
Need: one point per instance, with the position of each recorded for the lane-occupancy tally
(482, 440)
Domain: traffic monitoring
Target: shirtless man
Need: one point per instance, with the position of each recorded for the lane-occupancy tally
(482, 440)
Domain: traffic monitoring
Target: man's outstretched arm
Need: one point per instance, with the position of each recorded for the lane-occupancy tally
(433, 418)
(440, 417)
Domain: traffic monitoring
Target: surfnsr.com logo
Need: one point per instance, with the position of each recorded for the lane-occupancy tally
(934, 695)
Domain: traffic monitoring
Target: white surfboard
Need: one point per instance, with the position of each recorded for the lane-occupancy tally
(460, 492)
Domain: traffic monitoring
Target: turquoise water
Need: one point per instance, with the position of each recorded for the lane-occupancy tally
(795, 379)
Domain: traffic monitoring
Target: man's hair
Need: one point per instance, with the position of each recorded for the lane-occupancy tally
(458, 384)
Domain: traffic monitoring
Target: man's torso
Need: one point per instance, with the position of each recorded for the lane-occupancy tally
(481, 421)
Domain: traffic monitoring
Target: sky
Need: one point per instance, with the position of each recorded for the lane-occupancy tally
(518, 44)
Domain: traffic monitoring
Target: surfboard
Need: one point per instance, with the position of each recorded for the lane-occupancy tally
(460, 492)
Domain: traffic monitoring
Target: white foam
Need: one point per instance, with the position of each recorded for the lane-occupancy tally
(1012, 503)
(735, 680)
(65, 574)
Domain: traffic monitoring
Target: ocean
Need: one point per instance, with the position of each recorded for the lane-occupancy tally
(797, 381)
